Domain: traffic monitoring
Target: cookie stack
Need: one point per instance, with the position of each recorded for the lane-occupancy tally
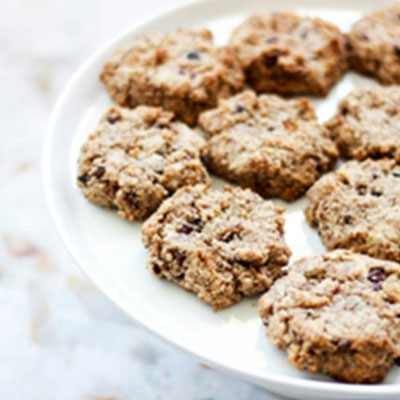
(188, 108)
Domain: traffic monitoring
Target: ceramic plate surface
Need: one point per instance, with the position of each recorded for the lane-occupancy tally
(109, 249)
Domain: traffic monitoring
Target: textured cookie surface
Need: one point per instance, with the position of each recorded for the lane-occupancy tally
(374, 45)
(337, 313)
(181, 71)
(367, 123)
(136, 158)
(286, 53)
(274, 146)
(358, 208)
(219, 245)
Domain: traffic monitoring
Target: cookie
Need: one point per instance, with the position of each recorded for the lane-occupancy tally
(218, 245)
(337, 313)
(288, 54)
(358, 208)
(272, 145)
(373, 45)
(367, 123)
(182, 71)
(137, 158)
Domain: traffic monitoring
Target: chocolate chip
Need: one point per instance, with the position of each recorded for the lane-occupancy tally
(349, 47)
(131, 199)
(343, 343)
(99, 172)
(196, 221)
(240, 109)
(347, 219)
(393, 112)
(84, 179)
(376, 274)
(229, 237)
(396, 174)
(272, 39)
(179, 256)
(206, 160)
(375, 176)
(344, 111)
(186, 229)
(376, 193)
(113, 118)
(245, 263)
(193, 55)
(165, 265)
(397, 51)
(397, 361)
(179, 277)
(361, 190)
(304, 35)
(271, 59)
(156, 269)
(377, 286)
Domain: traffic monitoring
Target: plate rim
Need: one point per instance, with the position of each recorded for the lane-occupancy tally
(270, 378)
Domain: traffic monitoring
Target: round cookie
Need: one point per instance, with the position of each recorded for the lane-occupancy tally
(373, 45)
(137, 158)
(287, 53)
(367, 123)
(357, 207)
(218, 245)
(272, 145)
(337, 313)
(182, 71)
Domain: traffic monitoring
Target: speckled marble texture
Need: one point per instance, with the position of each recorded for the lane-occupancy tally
(61, 338)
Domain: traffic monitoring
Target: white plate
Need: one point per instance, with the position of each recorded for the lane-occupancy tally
(109, 249)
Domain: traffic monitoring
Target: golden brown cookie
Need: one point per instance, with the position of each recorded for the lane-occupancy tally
(272, 145)
(337, 313)
(182, 71)
(374, 47)
(367, 123)
(218, 245)
(357, 207)
(137, 158)
(287, 53)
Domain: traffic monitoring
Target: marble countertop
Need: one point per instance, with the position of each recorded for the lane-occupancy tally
(61, 338)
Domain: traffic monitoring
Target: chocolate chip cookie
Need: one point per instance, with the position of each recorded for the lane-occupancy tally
(182, 71)
(272, 145)
(218, 245)
(358, 208)
(287, 53)
(374, 47)
(137, 158)
(337, 313)
(367, 123)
